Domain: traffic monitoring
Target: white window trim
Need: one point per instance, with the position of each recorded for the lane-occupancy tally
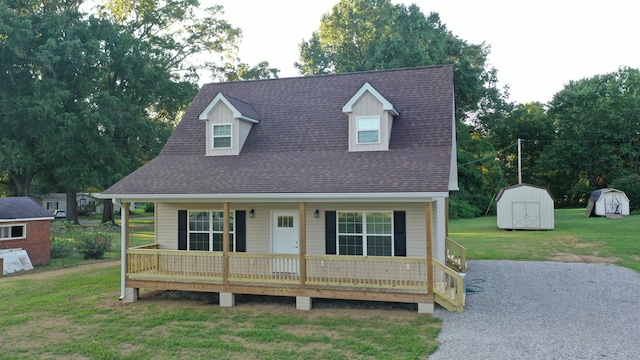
(358, 130)
(211, 231)
(213, 136)
(24, 232)
(364, 233)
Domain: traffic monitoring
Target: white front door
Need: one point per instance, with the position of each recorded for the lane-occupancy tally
(285, 234)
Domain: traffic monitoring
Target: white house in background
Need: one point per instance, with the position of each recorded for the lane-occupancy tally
(85, 202)
(525, 207)
(607, 202)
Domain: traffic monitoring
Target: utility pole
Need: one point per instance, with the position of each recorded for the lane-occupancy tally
(519, 161)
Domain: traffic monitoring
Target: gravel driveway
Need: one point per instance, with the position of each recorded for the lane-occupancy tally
(544, 310)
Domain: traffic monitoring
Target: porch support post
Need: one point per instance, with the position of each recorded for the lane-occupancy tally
(303, 245)
(225, 243)
(429, 223)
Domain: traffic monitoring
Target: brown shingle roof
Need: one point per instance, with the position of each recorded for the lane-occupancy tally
(301, 142)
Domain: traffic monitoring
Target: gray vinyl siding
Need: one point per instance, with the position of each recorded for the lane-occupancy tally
(259, 227)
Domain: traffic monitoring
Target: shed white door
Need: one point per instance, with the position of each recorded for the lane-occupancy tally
(525, 215)
(285, 230)
(613, 204)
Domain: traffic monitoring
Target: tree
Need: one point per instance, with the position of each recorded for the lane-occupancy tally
(86, 100)
(243, 71)
(598, 134)
(528, 122)
(359, 35)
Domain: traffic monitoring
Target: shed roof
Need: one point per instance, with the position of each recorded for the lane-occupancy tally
(301, 144)
(595, 195)
(21, 208)
(503, 190)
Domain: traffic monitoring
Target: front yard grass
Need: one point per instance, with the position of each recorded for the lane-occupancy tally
(75, 314)
(575, 238)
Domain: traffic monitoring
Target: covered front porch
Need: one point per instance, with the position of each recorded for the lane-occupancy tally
(420, 280)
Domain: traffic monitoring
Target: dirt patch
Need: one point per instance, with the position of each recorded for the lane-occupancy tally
(590, 259)
(49, 273)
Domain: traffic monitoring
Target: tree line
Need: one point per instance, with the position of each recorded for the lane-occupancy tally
(86, 98)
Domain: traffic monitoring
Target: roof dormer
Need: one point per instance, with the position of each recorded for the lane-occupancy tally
(229, 121)
(370, 120)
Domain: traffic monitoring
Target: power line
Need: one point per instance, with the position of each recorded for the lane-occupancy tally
(492, 155)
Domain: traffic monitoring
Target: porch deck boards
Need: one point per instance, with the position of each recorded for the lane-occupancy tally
(290, 283)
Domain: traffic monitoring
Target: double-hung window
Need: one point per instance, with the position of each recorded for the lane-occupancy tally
(367, 233)
(206, 229)
(222, 136)
(368, 129)
(13, 232)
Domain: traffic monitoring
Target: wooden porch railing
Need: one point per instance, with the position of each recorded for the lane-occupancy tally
(448, 287)
(456, 255)
(398, 273)
(370, 272)
(175, 264)
(264, 268)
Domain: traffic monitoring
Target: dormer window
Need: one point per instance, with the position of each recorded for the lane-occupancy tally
(368, 130)
(230, 121)
(370, 120)
(222, 136)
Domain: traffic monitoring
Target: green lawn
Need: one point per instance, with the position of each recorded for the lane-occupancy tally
(75, 314)
(575, 238)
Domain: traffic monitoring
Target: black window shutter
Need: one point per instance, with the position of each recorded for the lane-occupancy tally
(182, 229)
(330, 232)
(400, 233)
(241, 231)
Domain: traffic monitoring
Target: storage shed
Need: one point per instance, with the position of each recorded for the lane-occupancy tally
(607, 202)
(525, 207)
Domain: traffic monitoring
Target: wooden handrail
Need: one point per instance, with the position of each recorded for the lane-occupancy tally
(456, 255)
(449, 287)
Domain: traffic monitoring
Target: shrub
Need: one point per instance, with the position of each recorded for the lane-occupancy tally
(149, 207)
(93, 246)
(60, 247)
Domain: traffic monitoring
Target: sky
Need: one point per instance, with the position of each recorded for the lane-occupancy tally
(536, 46)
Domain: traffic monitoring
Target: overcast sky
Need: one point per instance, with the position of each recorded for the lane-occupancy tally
(536, 46)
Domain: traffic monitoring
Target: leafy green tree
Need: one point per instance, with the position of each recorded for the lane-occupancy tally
(528, 122)
(360, 35)
(243, 71)
(598, 134)
(85, 100)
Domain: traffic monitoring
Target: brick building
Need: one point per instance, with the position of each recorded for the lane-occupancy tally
(25, 224)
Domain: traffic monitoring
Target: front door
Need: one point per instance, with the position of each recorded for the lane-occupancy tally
(285, 230)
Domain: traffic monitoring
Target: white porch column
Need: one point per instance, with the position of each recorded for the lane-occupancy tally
(302, 245)
(126, 294)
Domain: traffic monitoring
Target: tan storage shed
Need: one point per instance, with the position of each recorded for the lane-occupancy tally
(525, 207)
